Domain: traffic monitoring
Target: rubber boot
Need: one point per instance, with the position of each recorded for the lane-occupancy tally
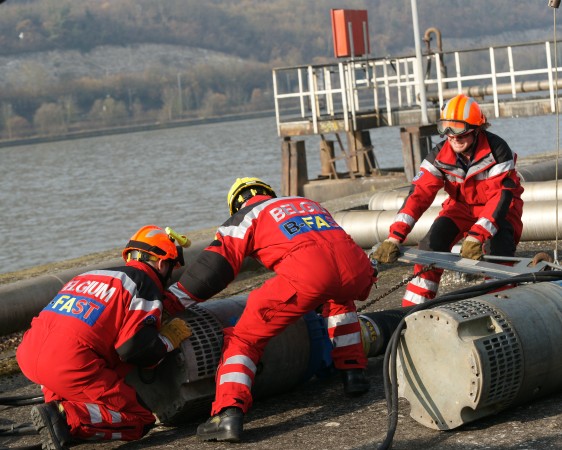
(355, 382)
(50, 423)
(225, 426)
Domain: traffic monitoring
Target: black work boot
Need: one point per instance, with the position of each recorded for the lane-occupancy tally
(355, 382)
(225, 426)
(51, 425)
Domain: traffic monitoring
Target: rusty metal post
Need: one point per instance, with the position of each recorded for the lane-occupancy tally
(362, 158)
(353, 163)
(416, 144)
(294, 168)
(327, 159)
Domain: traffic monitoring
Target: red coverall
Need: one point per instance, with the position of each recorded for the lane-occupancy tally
(83, 343)
(316, 263)
(484, 202)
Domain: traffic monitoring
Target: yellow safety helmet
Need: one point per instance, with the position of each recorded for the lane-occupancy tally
(245, 188)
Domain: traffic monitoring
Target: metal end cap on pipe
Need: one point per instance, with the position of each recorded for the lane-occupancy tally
(458, 364)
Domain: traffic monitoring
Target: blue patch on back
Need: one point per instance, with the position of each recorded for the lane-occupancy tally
(82, 308)
(303, 224)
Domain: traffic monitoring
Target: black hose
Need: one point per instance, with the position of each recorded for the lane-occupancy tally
(21, 400)
(28, 447)
(19, 429)
(389, 368)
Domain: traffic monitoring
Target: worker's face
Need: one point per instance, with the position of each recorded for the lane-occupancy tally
(462, 143)
(165, 269)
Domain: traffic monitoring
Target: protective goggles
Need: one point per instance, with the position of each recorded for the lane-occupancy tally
(453, 127)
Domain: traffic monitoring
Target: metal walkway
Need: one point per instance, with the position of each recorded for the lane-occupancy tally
(363, 93)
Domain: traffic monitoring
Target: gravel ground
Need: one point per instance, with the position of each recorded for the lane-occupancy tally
(316, 415)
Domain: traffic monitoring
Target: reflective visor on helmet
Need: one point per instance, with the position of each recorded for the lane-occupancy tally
(452, 127)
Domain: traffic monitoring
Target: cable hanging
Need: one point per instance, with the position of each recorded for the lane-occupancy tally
(555, 4)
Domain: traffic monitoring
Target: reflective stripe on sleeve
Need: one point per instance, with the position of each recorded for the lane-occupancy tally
(406, 218)
(487, 225)
(431, 169)
(142, 304)
(182, 296)
(501, 168)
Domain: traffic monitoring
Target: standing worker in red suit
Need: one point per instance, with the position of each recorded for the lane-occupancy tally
(477, 170)
(101, 325)
(315, 263)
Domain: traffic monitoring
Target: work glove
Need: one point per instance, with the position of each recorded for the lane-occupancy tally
(471, 248)
(175, 331)
(387, 252)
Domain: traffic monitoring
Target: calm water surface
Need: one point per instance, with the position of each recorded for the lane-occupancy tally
(66, 199)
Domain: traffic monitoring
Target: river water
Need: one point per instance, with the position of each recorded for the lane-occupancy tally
(66, 199)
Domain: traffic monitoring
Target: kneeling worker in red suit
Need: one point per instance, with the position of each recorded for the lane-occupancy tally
(101, 325)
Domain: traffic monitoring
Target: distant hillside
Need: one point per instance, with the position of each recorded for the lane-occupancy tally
(282, 32)
(68, 65)
(106, 61)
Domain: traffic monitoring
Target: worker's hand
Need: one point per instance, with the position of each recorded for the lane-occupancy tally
(472, 248)
(176, 330)
(387, 252)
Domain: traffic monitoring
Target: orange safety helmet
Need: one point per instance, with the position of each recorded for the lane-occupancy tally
(459, 115)
(152, 243)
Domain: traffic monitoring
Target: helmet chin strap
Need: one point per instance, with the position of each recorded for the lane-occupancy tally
(168, 276)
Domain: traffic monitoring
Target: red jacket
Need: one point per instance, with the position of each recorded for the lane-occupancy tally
(490, 187)
(115, 312)
(266, 229)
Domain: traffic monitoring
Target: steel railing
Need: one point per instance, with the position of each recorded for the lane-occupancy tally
(348, 88)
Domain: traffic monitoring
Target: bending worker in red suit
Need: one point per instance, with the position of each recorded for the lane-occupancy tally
(477, 170)
(97, 328)
(315, 263)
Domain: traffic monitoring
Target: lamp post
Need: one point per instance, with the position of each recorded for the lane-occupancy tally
(421, 84)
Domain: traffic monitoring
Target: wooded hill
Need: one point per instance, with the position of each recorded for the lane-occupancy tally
(278, 32)
(252, 35)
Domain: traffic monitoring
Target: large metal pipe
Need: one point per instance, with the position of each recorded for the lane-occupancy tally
(368, 228)
(502, 88)
(534, 191)
(495, 351)
(22, 300)
(182, 387)
(543, 171)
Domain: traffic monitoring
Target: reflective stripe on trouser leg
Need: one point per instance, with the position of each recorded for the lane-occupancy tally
(344, 331)
(235, 375)
(98, 422)
(422, 288)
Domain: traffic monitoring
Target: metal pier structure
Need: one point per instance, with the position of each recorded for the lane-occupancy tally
(352, 96)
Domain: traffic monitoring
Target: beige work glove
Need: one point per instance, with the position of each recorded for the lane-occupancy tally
(176, 330)
(471, 248)
(388, 251)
